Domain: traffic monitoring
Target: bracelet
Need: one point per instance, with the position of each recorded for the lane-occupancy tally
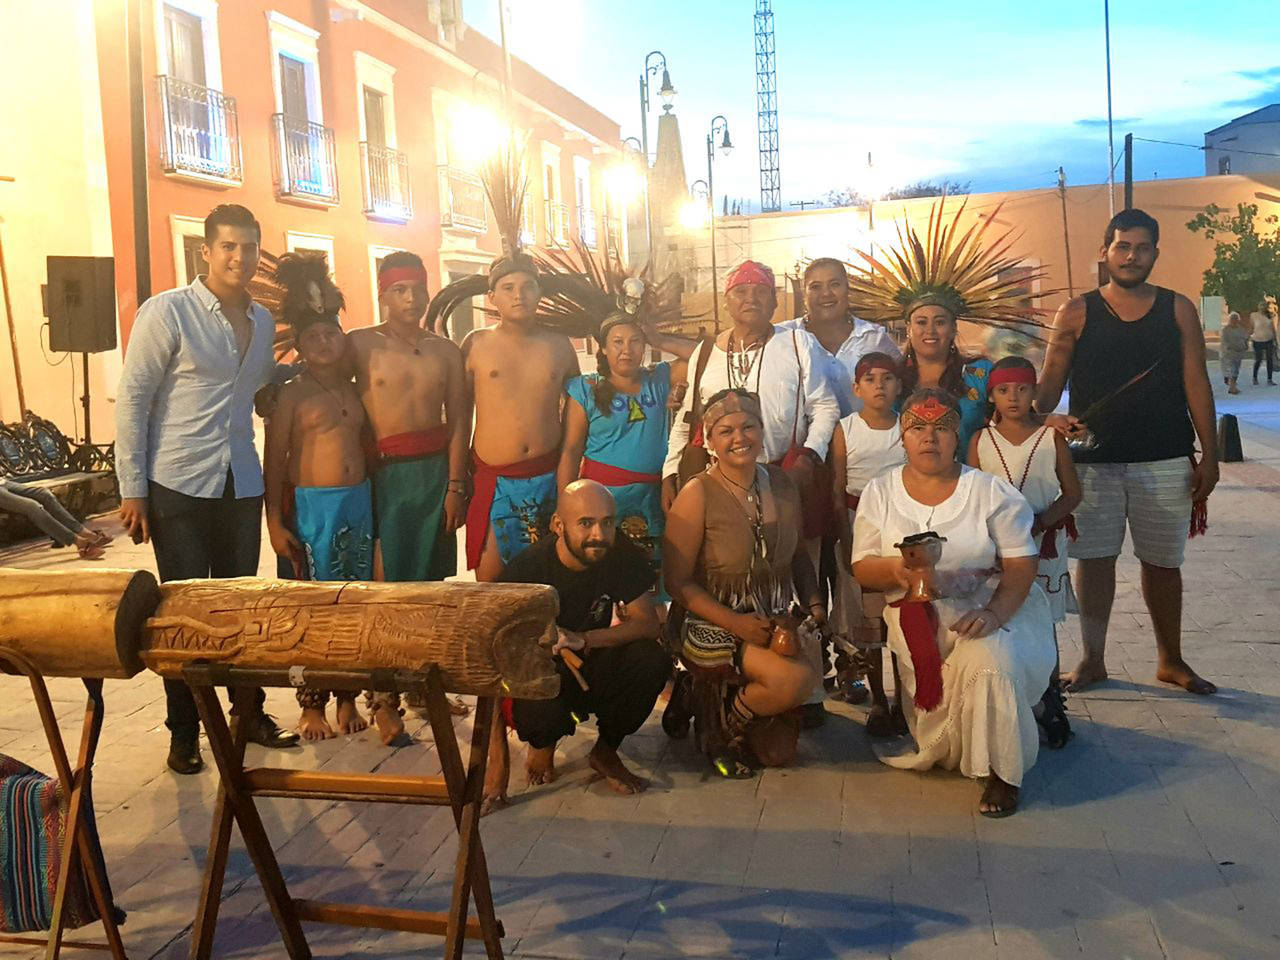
(455, 486)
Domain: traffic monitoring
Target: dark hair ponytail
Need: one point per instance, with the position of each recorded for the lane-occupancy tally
(603, 389)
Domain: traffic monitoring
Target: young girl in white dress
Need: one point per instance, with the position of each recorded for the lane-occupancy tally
(1019, 449)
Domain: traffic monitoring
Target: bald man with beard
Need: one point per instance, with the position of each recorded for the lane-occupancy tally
(595, 572)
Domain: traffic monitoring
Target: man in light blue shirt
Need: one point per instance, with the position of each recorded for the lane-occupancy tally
(190, 479)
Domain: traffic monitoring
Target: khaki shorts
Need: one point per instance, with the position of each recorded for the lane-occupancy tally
(1153, 499)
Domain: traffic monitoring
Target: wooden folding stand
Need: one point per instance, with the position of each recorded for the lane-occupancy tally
(461, 787)
(77, 847)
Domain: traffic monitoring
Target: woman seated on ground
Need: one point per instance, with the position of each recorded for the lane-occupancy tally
(731, 563)
(975, 660)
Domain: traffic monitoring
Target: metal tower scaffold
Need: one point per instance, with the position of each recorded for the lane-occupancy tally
(767, 109)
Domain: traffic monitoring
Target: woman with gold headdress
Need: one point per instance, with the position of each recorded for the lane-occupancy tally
(972, 629)
(732, 564)
(934, 283)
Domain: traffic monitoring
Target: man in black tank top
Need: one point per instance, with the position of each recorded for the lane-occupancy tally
(1142, 474)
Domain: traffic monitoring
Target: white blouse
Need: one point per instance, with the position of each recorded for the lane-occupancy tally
(777, 379)
(984, 518)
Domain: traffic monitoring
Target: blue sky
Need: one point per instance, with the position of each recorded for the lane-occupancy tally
(996, 92)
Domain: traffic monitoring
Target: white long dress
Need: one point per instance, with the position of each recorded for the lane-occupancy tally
(1032, 468)
(985, 722)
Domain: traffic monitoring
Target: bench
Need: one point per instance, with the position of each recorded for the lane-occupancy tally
(82, 476)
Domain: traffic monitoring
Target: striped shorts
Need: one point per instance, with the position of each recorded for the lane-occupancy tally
(1153, 499)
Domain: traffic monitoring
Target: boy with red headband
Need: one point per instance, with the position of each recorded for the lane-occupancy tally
(865, 445)
(411, 384)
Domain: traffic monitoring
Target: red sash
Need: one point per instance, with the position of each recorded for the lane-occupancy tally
(485, 481)
(612, 476)
(919, 622)
(418, 443)
(1049, 542)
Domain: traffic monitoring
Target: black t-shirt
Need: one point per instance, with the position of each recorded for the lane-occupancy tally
(587, 596)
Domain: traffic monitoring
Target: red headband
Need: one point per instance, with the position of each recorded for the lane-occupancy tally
(1010, 375)
(874, 361)
(749, 271)
(389, 278)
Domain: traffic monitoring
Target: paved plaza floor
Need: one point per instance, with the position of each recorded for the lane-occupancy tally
(1152, 835)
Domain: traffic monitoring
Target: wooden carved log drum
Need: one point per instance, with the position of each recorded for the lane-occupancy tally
(77, 623)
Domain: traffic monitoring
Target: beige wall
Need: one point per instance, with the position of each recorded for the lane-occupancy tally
(52, 146)
(782, 240)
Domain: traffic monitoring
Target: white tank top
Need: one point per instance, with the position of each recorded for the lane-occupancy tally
(1031, 466)
(871, 452)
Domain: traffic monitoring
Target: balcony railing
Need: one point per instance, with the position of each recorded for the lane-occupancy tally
(557, 221)
(304, 160)
(587, 226)
(200, 136)
(613, 235)
(462, 204)
(386, 182)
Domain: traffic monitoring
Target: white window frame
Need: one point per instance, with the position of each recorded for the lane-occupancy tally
(179, 227)
(295, 240)
(377, 250)
(550, 158)
(379, 76)
(206, 11)
(299, 42)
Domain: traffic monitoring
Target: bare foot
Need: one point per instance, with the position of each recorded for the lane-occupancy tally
(540, 765)
(313, 726)
(348, 717)
(605, 761)
(1084, 676)
(999, 799)
(497, 775)
(458, 707)
(390, 725)
(1182, 675)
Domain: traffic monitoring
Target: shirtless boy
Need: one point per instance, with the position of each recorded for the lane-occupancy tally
(319, 505)
(515, 372)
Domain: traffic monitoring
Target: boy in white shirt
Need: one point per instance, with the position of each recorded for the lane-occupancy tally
(866, 444)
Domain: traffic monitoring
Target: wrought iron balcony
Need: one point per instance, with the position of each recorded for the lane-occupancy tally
(304, 160)
(557, 221)
(462, 203)
(386, 182)
(200, 134)
(587, 226)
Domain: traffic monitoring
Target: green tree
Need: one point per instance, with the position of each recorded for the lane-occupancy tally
(1246, 262)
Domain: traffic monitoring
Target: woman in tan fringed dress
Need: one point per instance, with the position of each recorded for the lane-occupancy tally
(732, 565)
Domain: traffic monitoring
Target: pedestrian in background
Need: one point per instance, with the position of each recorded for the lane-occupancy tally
(1233, 347)
(1264, 342)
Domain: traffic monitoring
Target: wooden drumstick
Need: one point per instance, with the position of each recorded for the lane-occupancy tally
(574, 663)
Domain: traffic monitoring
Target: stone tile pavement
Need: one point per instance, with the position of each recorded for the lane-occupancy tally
(1152, 835)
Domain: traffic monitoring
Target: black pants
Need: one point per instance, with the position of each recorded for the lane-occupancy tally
(625, 682)
(195, 538)
(1265, 349)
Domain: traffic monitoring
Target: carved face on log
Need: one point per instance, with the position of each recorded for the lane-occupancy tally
(486, 639)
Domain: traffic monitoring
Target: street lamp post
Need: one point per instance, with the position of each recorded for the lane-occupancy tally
(667, 92)
(718, 124)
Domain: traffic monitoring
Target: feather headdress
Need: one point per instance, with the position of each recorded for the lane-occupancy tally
(975, 279)
(593, 287)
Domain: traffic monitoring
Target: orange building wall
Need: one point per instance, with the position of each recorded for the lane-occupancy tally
(245, 48)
